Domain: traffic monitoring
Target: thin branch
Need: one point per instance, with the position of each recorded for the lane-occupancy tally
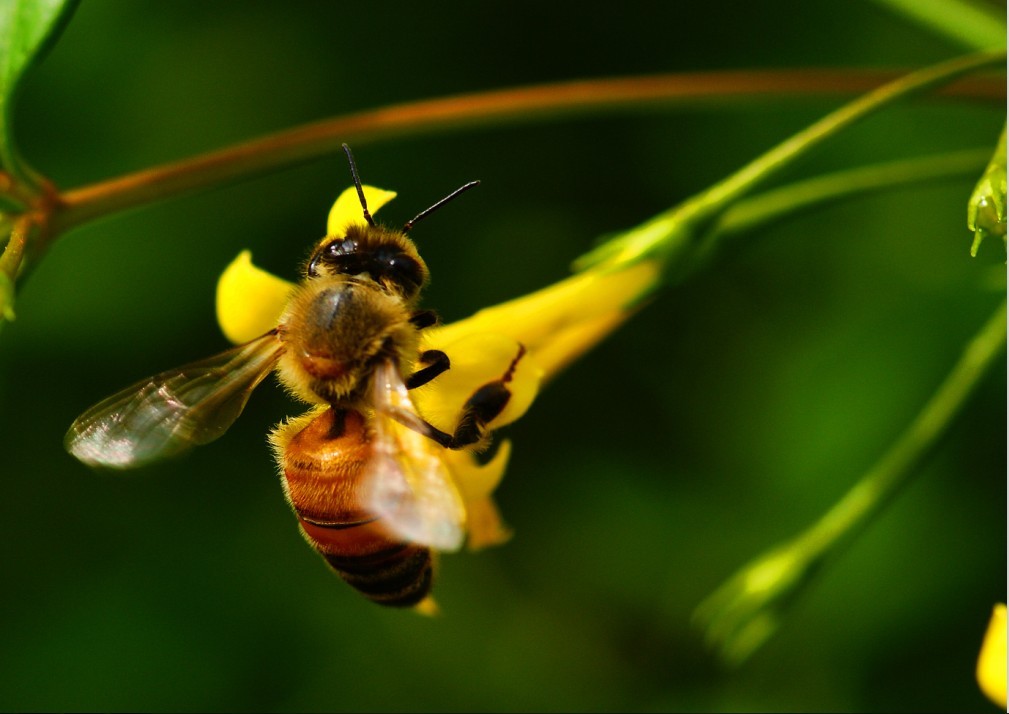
(10, 264)
(526, 104)
(974, 25)
(748, 608)
(786, 201)
(672, 235)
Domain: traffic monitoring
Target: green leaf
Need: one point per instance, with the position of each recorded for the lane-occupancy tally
(27, 29)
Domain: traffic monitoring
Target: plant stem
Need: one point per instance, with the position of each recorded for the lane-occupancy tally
(10, 260)
(10, 263)
(77, 206)
(852, 512)
(972, 24)
(671, 234)
(767, 207)
(748, 608)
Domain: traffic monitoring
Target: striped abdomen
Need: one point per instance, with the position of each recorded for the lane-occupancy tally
(324, 465)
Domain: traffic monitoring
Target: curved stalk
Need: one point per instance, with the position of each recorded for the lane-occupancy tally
(80, 205)
(672, 236)
(769, 206)
(748, 608)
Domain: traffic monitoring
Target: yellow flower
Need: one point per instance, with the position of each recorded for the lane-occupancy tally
(991, 663)
(551, 327)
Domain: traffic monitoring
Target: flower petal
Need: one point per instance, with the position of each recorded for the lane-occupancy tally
(485, 526)
(427, 607)
(347, 209)
(250, 300)
(476, 482)
(991, 663)
(559, 323)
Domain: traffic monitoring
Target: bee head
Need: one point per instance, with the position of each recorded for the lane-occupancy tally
(374, 253)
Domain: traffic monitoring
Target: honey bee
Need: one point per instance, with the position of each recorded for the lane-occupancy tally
(362, 471)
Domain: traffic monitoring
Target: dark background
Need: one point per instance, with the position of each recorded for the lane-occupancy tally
(724, 418)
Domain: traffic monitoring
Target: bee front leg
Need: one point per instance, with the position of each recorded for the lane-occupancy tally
(424, 318)
(437, 362)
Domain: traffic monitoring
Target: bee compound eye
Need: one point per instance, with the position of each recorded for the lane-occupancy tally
(338, 256)
(341, 247)
(405, 270)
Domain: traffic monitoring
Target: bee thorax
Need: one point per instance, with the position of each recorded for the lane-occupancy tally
(336, 330)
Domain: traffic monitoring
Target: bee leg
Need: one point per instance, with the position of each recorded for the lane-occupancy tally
(436, 361)
(486, 403)
(483, 406)
(424, 318)
(411, 420)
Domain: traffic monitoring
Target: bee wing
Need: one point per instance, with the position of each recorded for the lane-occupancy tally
(166, 414)
(409, 485)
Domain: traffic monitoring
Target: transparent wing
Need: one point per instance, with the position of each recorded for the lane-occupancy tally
(172, 411)
(409, 484)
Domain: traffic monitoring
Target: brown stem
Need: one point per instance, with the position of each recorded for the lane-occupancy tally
(268, 153)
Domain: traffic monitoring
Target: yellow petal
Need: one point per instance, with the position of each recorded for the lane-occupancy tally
(558, 323)
(485, 526)
(991, 663)
(476, 359)
(427, 607)
(347, 209)
(250, 300)
(474, 480)
(571, 342)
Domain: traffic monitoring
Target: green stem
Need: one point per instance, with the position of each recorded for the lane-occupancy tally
(670, 235)
(272, 152)
(885, 478)
(748, 608)
(719, 196)
(10, 264)
(971, 23)
(752, 213)
(10, 260)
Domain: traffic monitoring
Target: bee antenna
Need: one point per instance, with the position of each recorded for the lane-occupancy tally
(357, 185)
(428, 211)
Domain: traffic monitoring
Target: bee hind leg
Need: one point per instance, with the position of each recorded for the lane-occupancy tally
(485, 404)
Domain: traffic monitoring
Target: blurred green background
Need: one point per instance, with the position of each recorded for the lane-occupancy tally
(724, 418)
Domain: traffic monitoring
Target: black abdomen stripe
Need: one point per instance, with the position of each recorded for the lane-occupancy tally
(399, 577)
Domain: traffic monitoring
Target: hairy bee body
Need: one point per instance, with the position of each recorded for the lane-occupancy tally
(324, 465)
(364, 471)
